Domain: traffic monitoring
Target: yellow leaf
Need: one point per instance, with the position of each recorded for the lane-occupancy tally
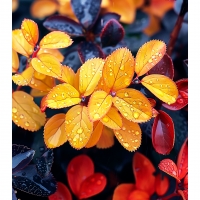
(37, 93)
(54, 131)
(25, 113)
(44, 8)
(30, 31)
(19, 43)
(24, 78)
(39, 76)
(133, 105)
(148, 56)
(96, 134)
(102, 86)
(129, 135)
(15, 61)
(78, 126)
(63, 95)
(55, 40)
(68, 75)
(162, 87)
(99, 104)
(45, 84)
(76, 79)
(47, 64)
(90, 74)
(118, 69)
(55, 52)
(107, 139)
(112, 119)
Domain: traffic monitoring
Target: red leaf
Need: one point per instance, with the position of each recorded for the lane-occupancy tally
(143, 171)
(79, 168)
(152, 102)
(184, 194)
(182, 99)
(139, 195)
(92, 185)
(164, 67)
(163, 133)
(185, 182)
(62, 193)
(122, 191)
(161, 184)
(169, 167)
(43, 105)
(182, 162)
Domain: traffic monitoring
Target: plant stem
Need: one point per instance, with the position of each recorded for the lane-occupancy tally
(177, 27)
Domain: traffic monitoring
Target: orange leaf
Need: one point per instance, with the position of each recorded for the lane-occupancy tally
(112, 119)
(96, 134)
(129, 135)
(79, 168)
(133, 105)
(44, 8)
(161, 184)
(62, 95)
(99, 104)
(55, 40)
(45, 84)
(43, 104)
(102, 86)
(162, 87)
(169, 167)
(138, 3)
(37, 93)
(107, 138)
(24, 78)
(90, 74)
(19, 43)
(61, 193)
(68, 75)
(25, 113)
(78, 126)
(39, 76)
(15, 61)
(118, 69)
(30, 31)
(139, 195)
(148, 56)
(122, 191)
(143, 171)
(76, 79)
(55, 52)
(54, 131)
(47, 64)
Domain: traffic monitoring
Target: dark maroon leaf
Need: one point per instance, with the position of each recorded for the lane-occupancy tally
(44, 163)
(177, 8)
(21, 156)
(65, 24)
(29, 181)
(163, 135)
(164, 67)
(102, 20)
(86, 11)
(139, 24)
(182, 99)
(186, 62)
(112, 33)
(88, 50)
(13, 195)
(108, 50)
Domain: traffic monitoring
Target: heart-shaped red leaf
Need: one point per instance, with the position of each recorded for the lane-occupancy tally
(169, 167)
(182, 99)
(182, 162)
(164, 67)
(161, 184)
(62, 193)
(163, 135)
(79, 168)
(185, 182)
(122, 191)
(92, 185)
(143, 171)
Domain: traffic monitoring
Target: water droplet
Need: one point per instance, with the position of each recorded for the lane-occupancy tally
(126, 94)
(99, 182)
(48, 70)
(136, 140)
(16, 121)
(180, 101)
(135, 115)
(137, 133)
(125, 144)
(27, 124)
(21, 116)
(98, 104)
(111, 73)
(122, 67)
(168, 102)
(105, 119)
(96, 116)
(150, 60)
(150, 82)
(14, 110)
(123, 128)
(32, 82)
(125, 114)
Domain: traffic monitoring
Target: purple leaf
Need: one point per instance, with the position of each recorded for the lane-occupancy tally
(30, 182)
(65, 24)
(164, 67)
(102, 21)
(112, 33)
(21, 157)
(86, 11)
(13, 195)
(88, 50)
